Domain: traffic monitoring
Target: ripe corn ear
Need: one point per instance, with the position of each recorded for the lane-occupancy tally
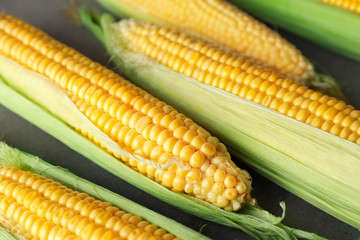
(223, 23)
(33, 206)
(238, 75)
(44, 209)
(301, 139)
(135, 120)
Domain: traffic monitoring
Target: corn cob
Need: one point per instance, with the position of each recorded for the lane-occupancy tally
(34, 206)
(134, 119)
(319, 166)
(237, 75)
(41, 208)
(225, 24)
(351, 5)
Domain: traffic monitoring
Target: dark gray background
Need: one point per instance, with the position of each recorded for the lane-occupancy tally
(55, 18)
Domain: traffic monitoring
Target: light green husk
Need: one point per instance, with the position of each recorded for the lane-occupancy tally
(251, 219)
(320, 82)
(5, 235)
(15, 158)
(319, 167)
(332, 27)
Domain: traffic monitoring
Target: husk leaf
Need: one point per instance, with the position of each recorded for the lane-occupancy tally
(5, 235)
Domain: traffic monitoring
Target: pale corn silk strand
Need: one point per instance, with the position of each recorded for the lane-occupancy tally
(14, 228)
(350, 5)
(213, 176)
(223, 23)
(44, 209)
(211, 65)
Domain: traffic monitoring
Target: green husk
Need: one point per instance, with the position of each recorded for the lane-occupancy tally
(122, 10)
(15, 158)
(320, 82)
(5, 235)
(332, 27)
(319, 167)
(251, 219)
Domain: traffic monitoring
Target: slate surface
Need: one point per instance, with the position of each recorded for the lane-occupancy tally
(54, 17)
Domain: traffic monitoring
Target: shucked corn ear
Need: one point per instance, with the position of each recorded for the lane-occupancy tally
(272, 123)
(351, 5)
(324, 24)
(37, 207)
(36, 86)
(223, 23)
(235, 74)
(34, 206)
(135, 120)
